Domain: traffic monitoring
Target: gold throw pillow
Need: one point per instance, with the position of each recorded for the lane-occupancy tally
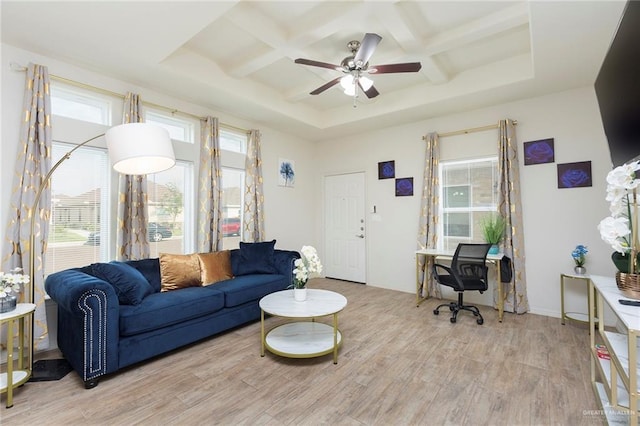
(215, 267)
(179, 271)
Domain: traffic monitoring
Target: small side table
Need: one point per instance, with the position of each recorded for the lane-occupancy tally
(15, 377)
(575, 316)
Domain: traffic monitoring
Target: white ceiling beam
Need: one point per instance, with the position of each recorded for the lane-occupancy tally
(433, 70)
(495, 23)
(322, 21)
(399, 28)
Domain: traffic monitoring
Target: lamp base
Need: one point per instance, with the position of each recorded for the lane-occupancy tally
(46, 370)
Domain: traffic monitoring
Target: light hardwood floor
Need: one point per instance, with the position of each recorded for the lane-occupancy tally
(399, 365)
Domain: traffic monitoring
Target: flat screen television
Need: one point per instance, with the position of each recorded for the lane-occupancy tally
(618, 88)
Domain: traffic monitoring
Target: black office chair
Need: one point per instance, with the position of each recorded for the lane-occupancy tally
(468, 271)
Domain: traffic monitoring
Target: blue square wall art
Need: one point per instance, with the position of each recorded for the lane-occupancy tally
(386, 169)
(574, 175)
(404, 187)
(539, 152)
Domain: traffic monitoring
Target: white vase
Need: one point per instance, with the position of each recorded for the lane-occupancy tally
(300, 294)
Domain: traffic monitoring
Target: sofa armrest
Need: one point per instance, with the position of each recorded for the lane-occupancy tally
(88, 321)
(283, 261)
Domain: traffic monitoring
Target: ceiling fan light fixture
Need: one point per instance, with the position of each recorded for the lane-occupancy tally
(366, 83)
(350, 91)
(346, 82)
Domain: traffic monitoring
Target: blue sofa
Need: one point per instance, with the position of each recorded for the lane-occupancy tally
(98, 334)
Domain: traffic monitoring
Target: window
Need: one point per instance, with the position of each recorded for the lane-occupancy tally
(85, 199)
(232, 202)
(180, 129)
(170, 195)
(233, 153)
(79, 209)
(80, 105)
(469, 194)
(233, 141)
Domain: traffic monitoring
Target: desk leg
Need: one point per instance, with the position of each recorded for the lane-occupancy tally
(500, 295)
(562, 299)
(419, 298)
(261, 332)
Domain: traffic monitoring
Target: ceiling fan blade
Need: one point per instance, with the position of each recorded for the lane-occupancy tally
(392, 68)
(326, 86)
(318, 64)
(371, 93)
(367, 47)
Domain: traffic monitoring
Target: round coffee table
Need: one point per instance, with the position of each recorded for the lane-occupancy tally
(302, 339)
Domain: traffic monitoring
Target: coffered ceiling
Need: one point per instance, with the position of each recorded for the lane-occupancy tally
(238, 56)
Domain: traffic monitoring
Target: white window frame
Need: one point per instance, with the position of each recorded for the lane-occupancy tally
(443, 210)
(82, 97)
(169, 121)
(105, 202)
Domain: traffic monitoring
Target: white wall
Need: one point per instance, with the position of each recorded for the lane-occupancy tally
(555, 220)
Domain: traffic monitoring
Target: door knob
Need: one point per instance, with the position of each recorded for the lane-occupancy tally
(360, 236)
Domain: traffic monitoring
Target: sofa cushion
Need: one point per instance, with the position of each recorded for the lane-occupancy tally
(150, 268)
(256, 258)
(215, 267)
(130, 285)
(179, 271)
(246, 288)
(164, 309)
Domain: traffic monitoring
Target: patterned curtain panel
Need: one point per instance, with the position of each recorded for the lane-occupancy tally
(428, 231)
(32, 165)
(210, 188)
(253, 212)
(132, 243)
(510, 207)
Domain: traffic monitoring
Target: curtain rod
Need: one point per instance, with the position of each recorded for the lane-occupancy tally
(470, 130)
(16, 67)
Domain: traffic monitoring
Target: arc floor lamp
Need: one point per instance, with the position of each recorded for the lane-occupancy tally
(133, 149)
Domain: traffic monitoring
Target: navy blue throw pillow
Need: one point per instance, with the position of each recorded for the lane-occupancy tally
(257, 258)
(130, 285)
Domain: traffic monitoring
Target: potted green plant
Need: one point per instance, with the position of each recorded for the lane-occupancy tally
(493, 230)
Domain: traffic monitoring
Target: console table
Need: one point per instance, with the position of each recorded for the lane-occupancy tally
(615, 382)
(18, 376)
(574, 316)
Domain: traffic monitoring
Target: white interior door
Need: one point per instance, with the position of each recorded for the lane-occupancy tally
(345, 233)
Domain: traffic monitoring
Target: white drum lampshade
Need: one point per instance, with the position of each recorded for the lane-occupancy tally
(139, 148)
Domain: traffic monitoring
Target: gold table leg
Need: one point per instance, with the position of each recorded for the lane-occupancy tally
(419, 298)
(10, 325)
(335, 338)
(500, 295)
(261, 332)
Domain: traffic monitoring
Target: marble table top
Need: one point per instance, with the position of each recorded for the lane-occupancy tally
(319, 303)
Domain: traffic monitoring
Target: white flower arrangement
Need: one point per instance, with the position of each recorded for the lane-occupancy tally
(10, 283)
(307, 266)
(620, 229)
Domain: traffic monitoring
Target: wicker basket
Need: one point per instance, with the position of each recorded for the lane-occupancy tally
(629, 284)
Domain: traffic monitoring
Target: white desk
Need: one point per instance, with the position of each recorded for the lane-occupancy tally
(432, 254)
